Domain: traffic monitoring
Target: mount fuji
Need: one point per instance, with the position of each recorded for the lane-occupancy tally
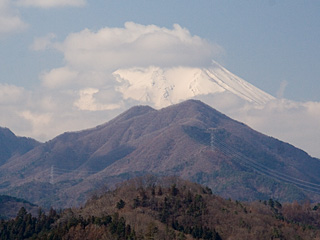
(216, 86)
(161, 87)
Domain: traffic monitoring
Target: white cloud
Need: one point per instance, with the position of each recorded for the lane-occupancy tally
(91, 57)
(58, 77)
(37, 120)
(10, 94)
(10, 21)
(282, 88)
(51, 3)
(136, 45)
(88, 101)
(294, 122)
(43, 43)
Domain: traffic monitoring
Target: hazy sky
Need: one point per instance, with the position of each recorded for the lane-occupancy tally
(46, 44)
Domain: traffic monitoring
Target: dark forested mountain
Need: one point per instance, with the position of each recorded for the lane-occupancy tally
(190, 139)
(11, 145)
(9, 206)
(167, 209)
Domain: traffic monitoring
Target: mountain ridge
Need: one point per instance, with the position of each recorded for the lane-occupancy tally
(12, 145)
(190, 139)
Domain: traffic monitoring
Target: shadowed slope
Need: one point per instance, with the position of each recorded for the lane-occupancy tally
(190, 139)
(11, 145)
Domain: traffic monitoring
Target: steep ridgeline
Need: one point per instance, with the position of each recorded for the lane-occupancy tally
(11, 145)
(190, 139)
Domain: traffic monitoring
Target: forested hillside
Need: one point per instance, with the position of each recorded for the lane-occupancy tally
(10, 205)
(151, 208)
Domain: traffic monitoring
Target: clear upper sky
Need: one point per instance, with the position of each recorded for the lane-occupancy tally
(266, 42)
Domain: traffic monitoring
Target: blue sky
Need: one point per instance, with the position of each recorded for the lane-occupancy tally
(264, 42)
(273, 44)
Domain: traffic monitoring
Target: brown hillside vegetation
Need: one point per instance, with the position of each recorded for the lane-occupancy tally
(172, 208)
(168, 208)
(190, 140)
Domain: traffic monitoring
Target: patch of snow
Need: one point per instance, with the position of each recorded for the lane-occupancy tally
(162, 87)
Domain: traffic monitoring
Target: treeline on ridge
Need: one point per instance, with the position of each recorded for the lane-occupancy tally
(167, 208)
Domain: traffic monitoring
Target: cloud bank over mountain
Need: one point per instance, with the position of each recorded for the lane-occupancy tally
(107, 71)
(108, 49)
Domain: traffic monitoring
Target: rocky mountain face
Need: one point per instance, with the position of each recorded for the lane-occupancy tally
(190, 140)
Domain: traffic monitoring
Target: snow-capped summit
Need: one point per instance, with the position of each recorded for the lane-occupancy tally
(162, 87)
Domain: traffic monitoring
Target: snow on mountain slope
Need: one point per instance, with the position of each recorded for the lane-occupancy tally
(163, 87)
